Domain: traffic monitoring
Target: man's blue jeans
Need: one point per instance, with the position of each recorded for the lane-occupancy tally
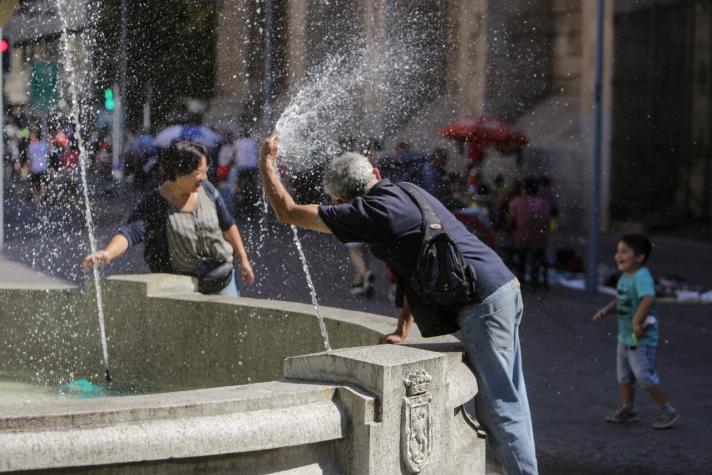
(490, 335)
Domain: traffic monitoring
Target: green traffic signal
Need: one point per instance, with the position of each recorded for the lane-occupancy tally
(109, 99)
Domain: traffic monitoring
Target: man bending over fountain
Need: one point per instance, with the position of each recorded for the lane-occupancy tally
(186, 226)
(380, 213)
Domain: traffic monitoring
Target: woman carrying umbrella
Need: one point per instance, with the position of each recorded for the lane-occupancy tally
(186, 226)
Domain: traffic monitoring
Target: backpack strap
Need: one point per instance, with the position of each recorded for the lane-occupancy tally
(432, 226)
(213, 192)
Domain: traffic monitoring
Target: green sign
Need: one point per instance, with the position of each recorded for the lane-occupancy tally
(44, 86)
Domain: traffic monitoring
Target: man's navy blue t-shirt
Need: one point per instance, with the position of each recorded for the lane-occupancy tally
(390, 222)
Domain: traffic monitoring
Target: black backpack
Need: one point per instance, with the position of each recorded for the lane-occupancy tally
(441, 277)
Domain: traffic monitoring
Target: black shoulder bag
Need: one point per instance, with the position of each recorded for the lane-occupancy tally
(442, 276)
(213, 276)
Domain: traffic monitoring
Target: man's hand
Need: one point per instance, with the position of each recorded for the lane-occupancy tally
(270, 148)
(102, 257)
(639, 330)
(405, 322)
(393, 338)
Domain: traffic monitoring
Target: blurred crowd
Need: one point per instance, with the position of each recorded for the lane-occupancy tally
(514, 216)
(46, 155)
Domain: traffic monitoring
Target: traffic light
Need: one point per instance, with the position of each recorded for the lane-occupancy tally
(109, 103)
(6, 51)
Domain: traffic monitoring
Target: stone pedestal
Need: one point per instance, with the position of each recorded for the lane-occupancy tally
(399, 410)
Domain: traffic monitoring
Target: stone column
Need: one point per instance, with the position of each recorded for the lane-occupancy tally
(296, 42)
(700, 180)
(231, 61)
(466, 78)
(588, 64)
(373, 18)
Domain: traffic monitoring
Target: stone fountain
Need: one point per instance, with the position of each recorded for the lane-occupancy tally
(231, 386)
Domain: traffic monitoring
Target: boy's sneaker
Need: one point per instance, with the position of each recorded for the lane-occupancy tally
(665, 419)
(622, 416)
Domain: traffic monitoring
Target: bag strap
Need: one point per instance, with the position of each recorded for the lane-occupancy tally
(212, 191)
(432, 226)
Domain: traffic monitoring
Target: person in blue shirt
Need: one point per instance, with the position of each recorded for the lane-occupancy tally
(378, 212)
(637, 332)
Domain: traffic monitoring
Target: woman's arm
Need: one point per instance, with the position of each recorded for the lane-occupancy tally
(232, 235)
(130, 234)
(116, 247)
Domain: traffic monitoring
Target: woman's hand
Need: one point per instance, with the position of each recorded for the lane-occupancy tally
(102, 257)
(270, 147)
(246, 273)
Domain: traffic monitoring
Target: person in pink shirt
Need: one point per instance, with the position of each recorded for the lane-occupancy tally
(528, 219)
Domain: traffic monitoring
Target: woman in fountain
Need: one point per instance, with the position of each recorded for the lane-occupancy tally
(186, 226)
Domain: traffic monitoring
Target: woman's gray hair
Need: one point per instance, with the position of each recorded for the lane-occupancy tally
(349, 176)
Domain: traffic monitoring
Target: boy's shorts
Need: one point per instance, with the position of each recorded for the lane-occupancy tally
(636, 363)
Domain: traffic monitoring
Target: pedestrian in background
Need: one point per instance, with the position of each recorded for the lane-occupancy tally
(528, 219)
(11, 160)
(244, 177)
(38, 154)
(434, 174)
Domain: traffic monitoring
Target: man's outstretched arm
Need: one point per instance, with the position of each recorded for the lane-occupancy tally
(287, 211)
(405, 323)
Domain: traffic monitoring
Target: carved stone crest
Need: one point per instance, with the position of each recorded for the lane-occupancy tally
(417, 433)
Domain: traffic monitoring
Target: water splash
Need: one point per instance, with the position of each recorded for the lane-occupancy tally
(345, 92)
(262, 232)
(62, 8)
(363, 93)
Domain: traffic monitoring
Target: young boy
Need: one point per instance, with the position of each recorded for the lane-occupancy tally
(637, 332)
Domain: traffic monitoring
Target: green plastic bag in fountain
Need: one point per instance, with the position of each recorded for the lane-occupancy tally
(82, 388)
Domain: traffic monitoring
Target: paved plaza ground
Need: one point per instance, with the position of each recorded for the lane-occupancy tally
(569, 360)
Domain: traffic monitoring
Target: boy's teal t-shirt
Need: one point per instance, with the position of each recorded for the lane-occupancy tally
(630, 289)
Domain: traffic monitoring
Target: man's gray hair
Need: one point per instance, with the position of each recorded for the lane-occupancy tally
(349, 176)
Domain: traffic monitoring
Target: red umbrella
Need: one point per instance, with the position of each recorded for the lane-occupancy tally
(461, 129)
(483, 132)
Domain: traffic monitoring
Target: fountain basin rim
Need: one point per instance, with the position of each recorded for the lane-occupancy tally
(37, 286)
(173, 438)
(74, 413)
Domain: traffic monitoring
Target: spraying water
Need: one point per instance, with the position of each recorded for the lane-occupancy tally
(74, 117)
(312, 290)
(362, 94)
(342, 93)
